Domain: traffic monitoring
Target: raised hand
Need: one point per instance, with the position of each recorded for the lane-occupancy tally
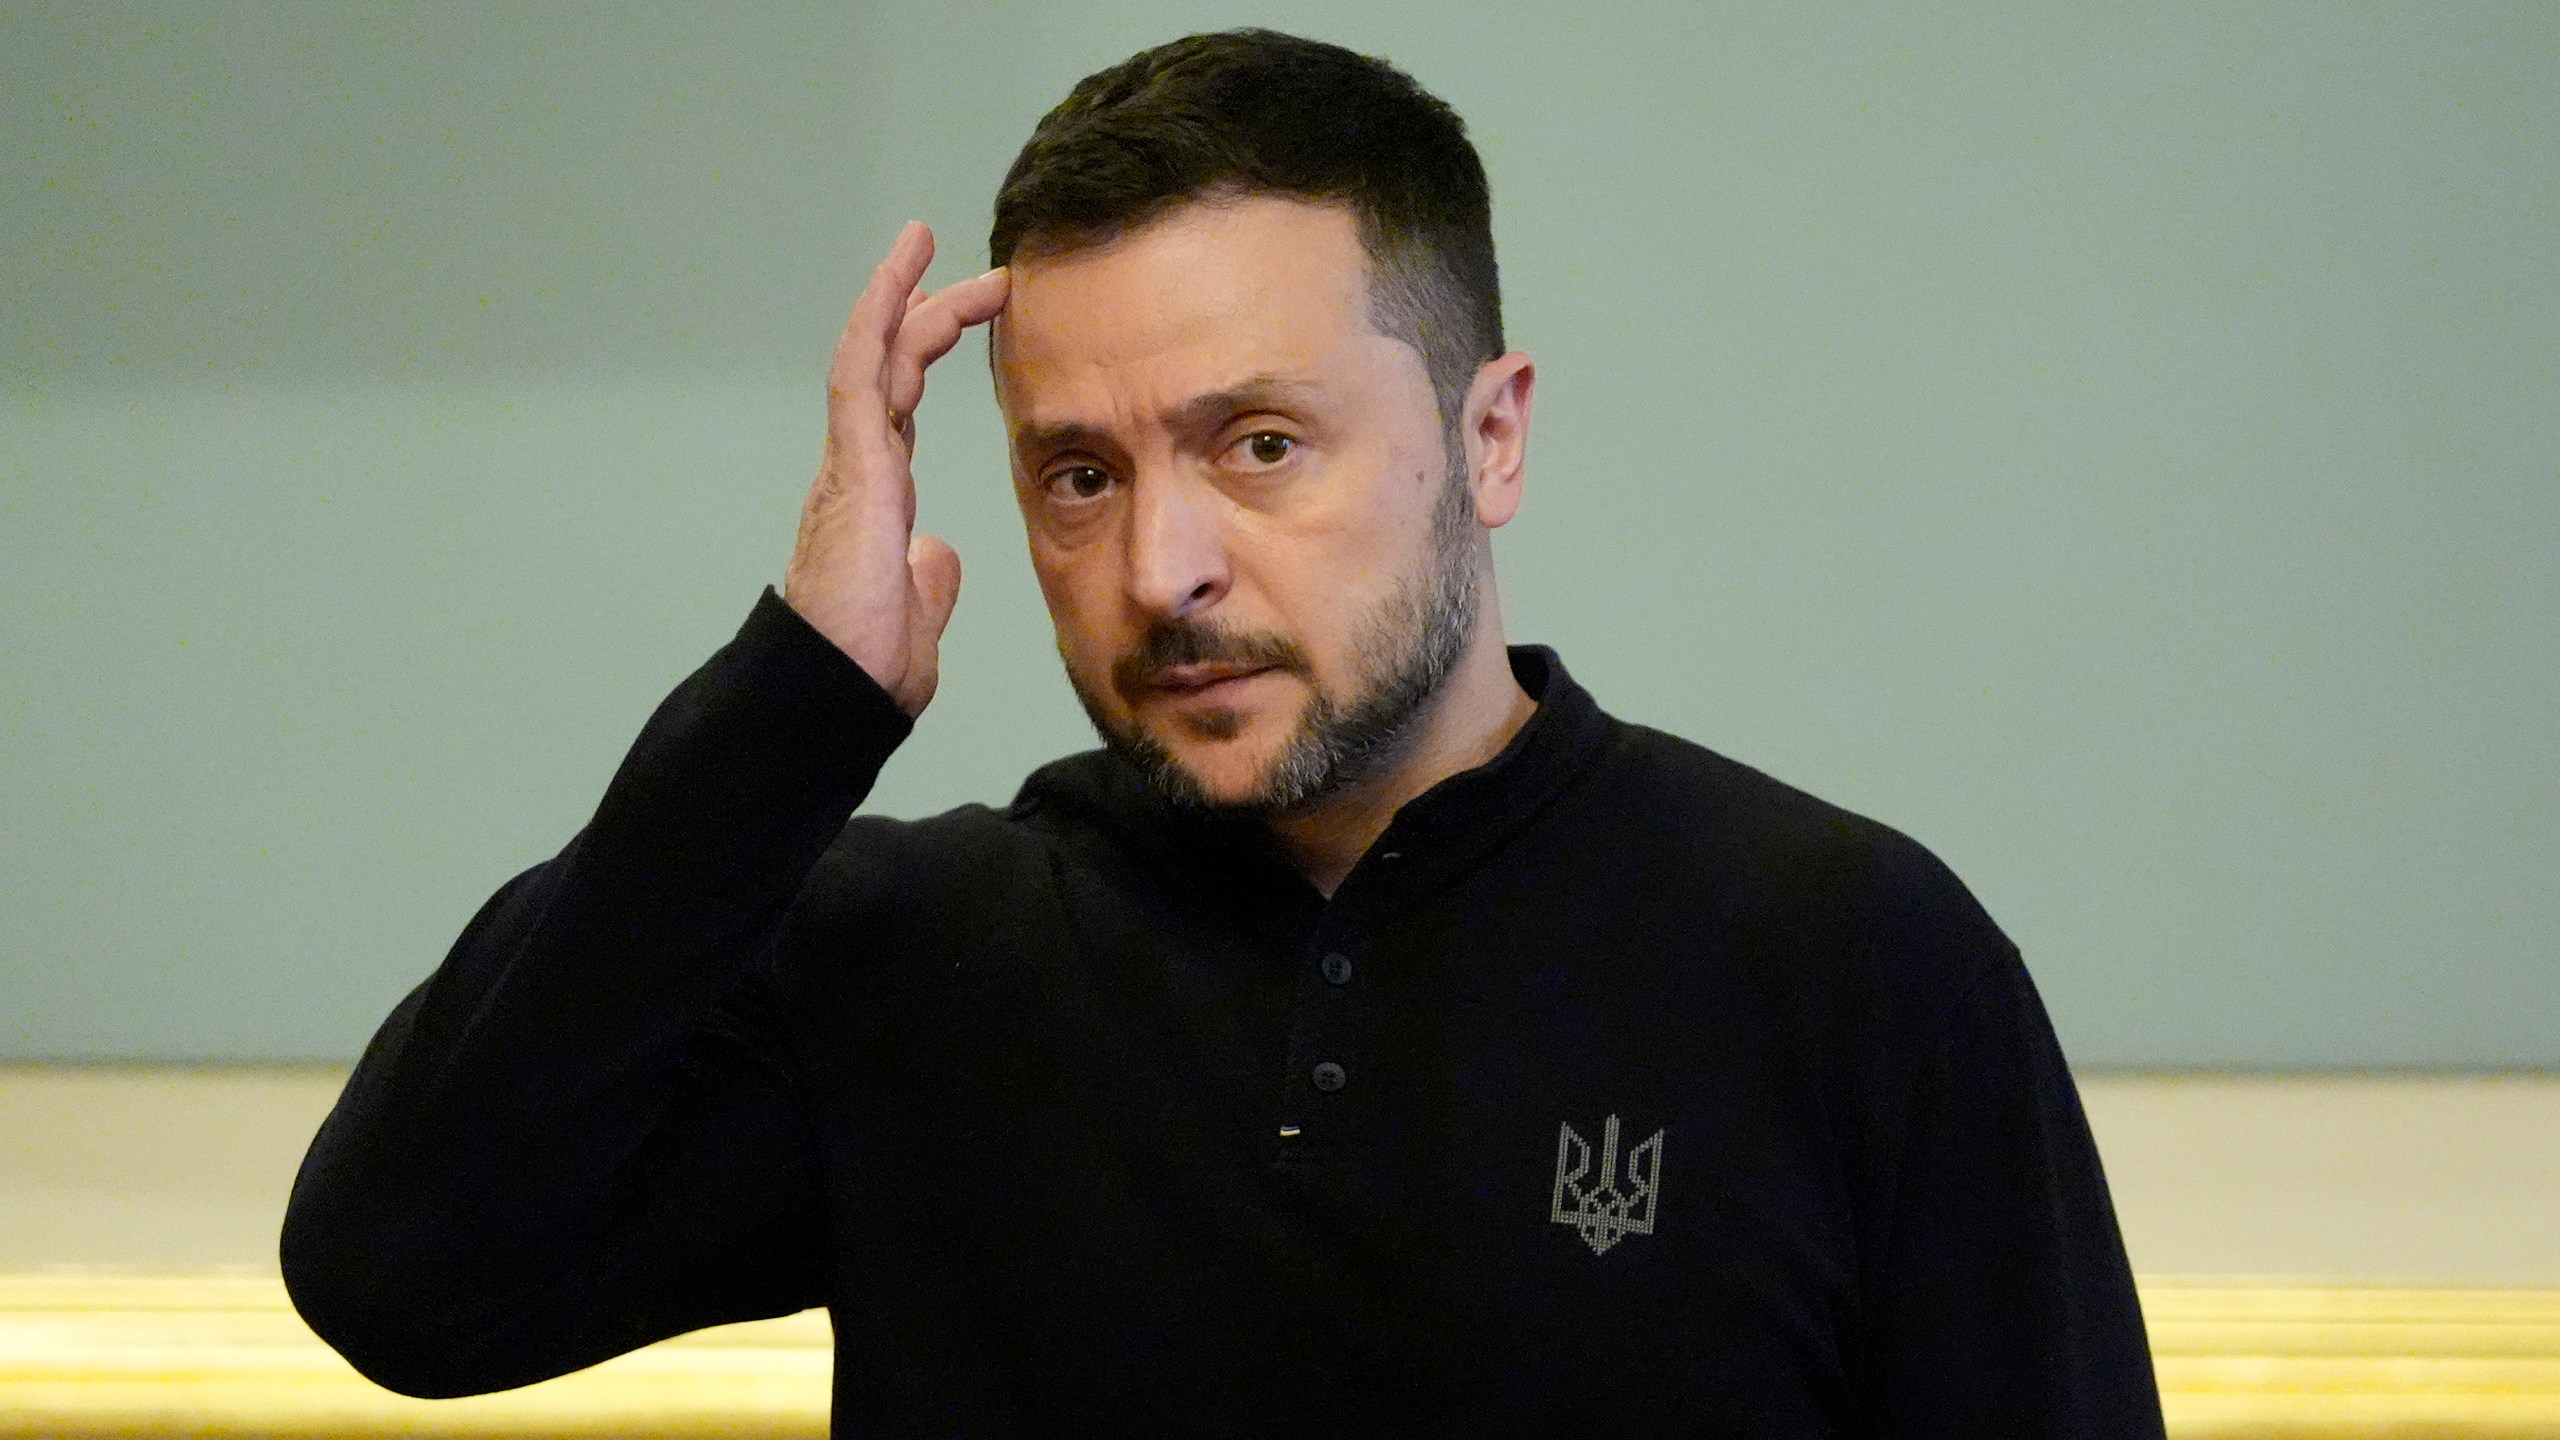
(859, 574)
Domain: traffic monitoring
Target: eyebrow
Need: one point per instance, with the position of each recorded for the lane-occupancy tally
(1262, 392)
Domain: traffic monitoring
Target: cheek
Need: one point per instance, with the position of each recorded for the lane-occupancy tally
(1316, 599)
(1324, 567)
(1078, 606)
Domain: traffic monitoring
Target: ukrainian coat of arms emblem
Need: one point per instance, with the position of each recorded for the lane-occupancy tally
(1598, 1209)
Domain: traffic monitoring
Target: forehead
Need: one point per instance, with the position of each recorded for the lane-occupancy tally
(1209, 295)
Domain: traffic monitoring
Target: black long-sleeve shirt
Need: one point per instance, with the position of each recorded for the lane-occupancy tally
(1619, 1089)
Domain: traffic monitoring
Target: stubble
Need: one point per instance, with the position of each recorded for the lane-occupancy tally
(1406, 649)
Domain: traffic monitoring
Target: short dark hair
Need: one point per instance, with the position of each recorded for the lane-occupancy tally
(1257, 112)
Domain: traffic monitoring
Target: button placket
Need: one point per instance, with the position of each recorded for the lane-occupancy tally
(1331, 1077)
(1319, 1108)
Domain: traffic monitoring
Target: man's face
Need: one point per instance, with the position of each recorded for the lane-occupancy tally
(1240, 504)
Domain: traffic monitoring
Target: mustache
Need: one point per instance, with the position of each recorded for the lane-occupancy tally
(1170, 642)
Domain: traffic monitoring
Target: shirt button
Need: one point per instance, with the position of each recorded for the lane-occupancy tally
(1330, 1077)
(1337, 968)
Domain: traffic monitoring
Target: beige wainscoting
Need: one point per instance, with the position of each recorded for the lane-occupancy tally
(2346, 1258)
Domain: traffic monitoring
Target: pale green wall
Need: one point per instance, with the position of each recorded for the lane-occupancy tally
(2115, 445)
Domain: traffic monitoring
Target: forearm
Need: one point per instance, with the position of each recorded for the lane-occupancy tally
(576, 1065)
(729, 796)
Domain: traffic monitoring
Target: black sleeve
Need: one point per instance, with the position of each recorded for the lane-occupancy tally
(575, 1137)
(2002, 1300)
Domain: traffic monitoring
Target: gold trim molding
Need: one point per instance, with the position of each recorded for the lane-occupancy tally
(89, 1354)
(93, 1355)
(2267, 1360)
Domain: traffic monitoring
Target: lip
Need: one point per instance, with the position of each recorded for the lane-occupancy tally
(1192, 682)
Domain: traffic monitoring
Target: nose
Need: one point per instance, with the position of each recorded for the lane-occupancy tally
(1177, 546)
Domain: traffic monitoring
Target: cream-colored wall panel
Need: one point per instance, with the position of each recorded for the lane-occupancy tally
(152, 1167)
(2403, 1179)
(2412, 1179)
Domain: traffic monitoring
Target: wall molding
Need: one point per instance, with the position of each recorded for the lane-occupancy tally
(100, 1353)
(2271, 1360)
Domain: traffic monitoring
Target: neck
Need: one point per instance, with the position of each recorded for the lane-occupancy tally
(1475, 714)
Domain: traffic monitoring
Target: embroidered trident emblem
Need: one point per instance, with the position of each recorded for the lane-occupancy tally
(1602, 1213)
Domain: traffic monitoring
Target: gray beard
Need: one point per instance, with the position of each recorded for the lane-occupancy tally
(1405, 653)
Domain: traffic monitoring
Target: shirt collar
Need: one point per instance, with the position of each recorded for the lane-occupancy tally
(1437, 835)
(1454, 825)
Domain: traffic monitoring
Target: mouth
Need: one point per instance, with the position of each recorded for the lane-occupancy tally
(1190, 684)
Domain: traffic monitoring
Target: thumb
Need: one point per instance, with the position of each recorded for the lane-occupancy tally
(933, 568)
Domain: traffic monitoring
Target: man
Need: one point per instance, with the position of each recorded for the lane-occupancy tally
(1374, 1038)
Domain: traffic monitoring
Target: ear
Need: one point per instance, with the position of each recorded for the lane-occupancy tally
(1494, 427)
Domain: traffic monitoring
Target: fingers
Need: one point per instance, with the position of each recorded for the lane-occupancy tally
(933, 327)
(980, 298)
(896, 330)
(856, 408)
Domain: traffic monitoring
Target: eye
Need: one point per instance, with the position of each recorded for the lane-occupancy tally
(1077, 482)
(1268, 447)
